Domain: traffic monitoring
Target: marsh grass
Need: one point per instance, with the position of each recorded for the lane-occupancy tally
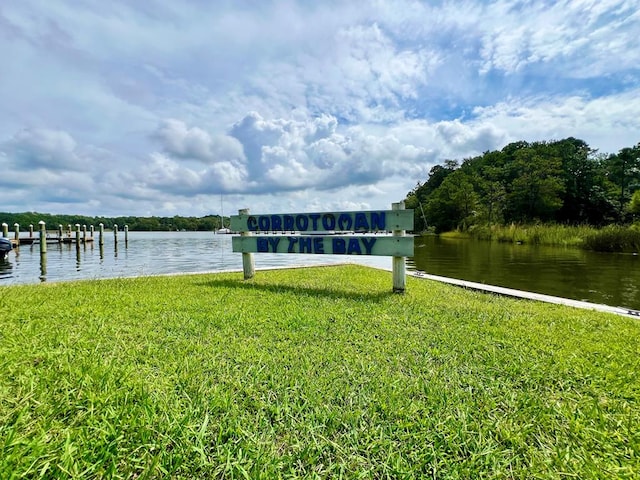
(613, 238)
(310, 373)
(562, 235)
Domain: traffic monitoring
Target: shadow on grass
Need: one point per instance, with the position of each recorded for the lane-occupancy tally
(328, 292)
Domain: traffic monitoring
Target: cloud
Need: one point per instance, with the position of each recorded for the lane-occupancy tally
(587, 38)
(274, 155)
(310, 152)
(363, 76)
(195, 143)
(42, 148)
(607, 122)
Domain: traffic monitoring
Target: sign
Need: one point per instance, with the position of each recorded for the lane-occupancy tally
(326, 244)
(315, 234)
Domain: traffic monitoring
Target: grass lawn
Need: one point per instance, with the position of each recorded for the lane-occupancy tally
(316, 372)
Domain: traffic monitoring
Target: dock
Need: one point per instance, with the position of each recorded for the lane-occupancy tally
(50, 239)
(80, 236)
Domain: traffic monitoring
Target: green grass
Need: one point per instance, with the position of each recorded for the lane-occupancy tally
(311, 373)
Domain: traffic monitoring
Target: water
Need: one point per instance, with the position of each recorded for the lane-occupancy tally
(607, 278)
(147, 253)
(612, 279)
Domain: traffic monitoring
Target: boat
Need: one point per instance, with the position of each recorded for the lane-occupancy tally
(222, 229)
(5, 247)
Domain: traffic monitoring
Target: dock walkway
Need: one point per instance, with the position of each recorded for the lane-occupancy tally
(49, 239)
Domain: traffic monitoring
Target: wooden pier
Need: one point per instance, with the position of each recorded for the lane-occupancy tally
(81, 235)
(49, 239)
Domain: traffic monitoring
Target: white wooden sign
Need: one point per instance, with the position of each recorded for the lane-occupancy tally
(323, 234)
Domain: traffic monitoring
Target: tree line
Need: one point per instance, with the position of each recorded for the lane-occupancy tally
(206, 223)
(562, 181)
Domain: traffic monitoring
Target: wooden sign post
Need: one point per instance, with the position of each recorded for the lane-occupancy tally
(326, 234)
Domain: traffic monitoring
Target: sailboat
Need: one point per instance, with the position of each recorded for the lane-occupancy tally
(222, 229)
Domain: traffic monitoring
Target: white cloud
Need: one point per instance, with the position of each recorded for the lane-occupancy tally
(607, 123)
(42, 148)
(196, 144)
(589, 38)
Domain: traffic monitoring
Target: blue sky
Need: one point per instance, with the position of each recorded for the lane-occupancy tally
(165, 108)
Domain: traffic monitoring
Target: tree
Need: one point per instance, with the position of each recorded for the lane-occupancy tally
(417, 198)
(624, 172)
(490, 181)
(453, 204)
(564, 181)
(536, 187)
(634, 204)
(580, 177)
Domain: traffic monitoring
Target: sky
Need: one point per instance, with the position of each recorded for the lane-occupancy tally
(193, 107)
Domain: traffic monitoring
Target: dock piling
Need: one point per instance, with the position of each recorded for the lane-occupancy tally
(77, 236)
(43, 237)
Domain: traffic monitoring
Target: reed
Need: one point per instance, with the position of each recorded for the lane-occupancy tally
(609, 239)
(614, 239)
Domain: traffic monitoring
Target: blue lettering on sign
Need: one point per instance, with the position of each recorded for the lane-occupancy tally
(292, 242)
(344, 222)
(361, 222)
(288, 222)
(378, 221)
(338, 246)
(274, 244)
(368, 244)
(314, 219)
(304, 245)
(302, 223)
(354, 247)
(267, 244)
(318, 245)
(263, 223)
(329, 221)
